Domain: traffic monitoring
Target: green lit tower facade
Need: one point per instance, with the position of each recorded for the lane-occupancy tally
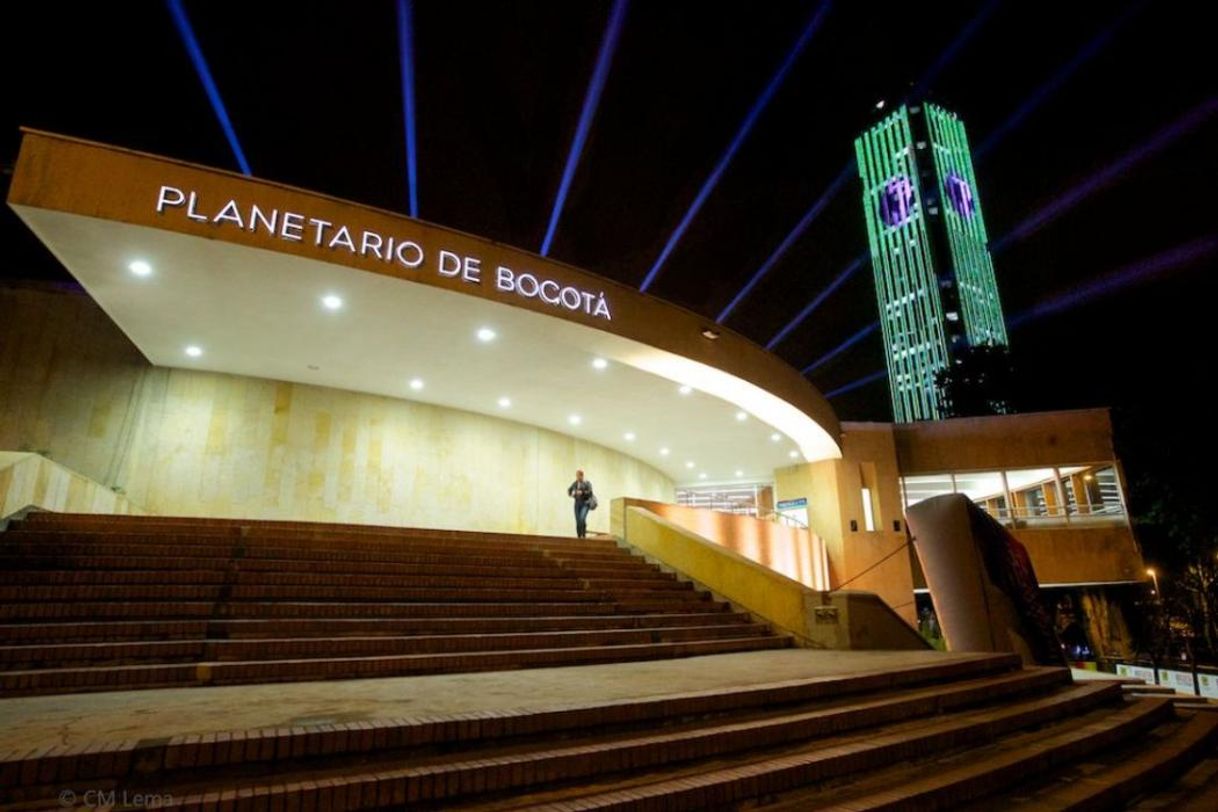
(934, 277)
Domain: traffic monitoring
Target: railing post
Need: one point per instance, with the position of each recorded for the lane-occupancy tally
(1061, 493)
(1006, 494)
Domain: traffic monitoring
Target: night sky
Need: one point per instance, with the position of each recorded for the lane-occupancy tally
(315, 98)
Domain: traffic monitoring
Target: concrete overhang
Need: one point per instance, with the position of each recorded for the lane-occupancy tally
(239, 268)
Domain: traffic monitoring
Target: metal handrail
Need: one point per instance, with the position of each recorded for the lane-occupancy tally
(1056, 511)
(782, 518)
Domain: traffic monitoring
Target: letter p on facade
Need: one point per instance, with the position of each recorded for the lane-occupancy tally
(169, 196)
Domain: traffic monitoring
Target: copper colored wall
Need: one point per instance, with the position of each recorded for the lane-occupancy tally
(870, 561)
(793, 552)
(1040, 439)
(1072, 555)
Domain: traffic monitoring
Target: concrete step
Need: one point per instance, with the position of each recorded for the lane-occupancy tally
(252, 528)
(318, 592)
(14, 554)
(128, 677)
(46, 543)
(842, 740)
(437, 601)
(847, 758)
(990, 775)
(237, 535)
(855, 699)
(1158, 761)
(1145, 689)
(205, 650)
(85, 610)
(85, 632)
(164, 563)
(260, 577)
(1196, 789)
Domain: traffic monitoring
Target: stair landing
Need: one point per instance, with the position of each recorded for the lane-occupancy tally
(72, 719)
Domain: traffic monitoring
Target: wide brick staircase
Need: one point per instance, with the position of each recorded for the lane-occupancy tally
(97, 603)
(91, 604)
(978, 733)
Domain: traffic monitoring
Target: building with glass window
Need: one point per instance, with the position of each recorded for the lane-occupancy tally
(1052, 478)
(934, 278)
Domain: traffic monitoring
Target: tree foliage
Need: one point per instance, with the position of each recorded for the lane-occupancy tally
(1176, 521)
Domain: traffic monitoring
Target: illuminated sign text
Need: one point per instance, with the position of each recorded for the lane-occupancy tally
(410, 254)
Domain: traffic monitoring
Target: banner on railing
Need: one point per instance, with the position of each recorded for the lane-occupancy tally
(1179, 680)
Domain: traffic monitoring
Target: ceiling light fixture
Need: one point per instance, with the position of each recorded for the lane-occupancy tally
(600, 363)
(575, 420)
(628, 436)
(331, 302)
(663, 452)
(486, 334)
(140, 268)
(194, 351)
(742, 416)
(416, 384)
(710, 332)
(505, 403)
(689, 464)
(685, 390)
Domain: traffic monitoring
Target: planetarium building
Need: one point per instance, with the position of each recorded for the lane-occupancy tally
(276, 437)
(247, 350)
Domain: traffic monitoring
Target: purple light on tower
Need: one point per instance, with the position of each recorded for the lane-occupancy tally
(896, 201)
(960, 195)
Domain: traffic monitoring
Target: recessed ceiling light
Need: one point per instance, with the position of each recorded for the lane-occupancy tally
(775, 436)
(742, 415)
(416, 384)
(193, 351)
(685, 390)
(710, 332)
(663, 452)
(505, 403)
(331, 302)
(792, 454)
(486, 334)
(140, 268)
(575, 420)
(740, 473)
(628, 436)
(702, 475)
(600, 363)
(689, 464)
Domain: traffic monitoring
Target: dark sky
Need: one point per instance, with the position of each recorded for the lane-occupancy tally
(314, 94)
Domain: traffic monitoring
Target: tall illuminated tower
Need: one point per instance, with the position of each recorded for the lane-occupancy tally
(934, 277)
